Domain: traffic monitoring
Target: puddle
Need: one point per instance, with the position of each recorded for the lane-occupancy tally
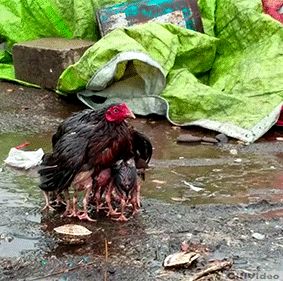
(214, 172)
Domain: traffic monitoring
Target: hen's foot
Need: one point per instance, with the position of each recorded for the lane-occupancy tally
(47, 208)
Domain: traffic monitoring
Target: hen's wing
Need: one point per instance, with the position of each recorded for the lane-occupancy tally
(70, 124)
(58, 169)
(142, 147)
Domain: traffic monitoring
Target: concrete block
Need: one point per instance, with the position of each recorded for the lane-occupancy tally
(43, 60)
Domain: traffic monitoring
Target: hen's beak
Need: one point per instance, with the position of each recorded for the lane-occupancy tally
(131, 114)
(128, 111)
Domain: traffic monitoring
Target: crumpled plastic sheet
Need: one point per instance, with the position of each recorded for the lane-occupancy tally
(24, 159)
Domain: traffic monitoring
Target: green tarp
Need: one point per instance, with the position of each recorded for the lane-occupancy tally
(229, 80)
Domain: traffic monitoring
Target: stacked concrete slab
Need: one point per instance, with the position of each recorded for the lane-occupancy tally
(42, 61)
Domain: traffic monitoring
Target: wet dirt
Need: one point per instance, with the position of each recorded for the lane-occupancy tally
(208, 195)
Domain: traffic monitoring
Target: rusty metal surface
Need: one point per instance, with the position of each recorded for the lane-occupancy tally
(184, 13)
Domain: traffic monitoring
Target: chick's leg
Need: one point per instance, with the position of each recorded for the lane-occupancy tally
(98, 196)
(84, 215)
(135, 199)
(138, 195)
(68, 209)
(122, 217)
(75, 211)
(108, 196)
(47, 205)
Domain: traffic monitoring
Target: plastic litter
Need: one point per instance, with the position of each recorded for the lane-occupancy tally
(24, 159)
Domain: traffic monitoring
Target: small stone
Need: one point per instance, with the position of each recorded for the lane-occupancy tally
(258, 236)
(111, 270)
(222, 138)
(9, 239)
(188, 138)
(209, 139)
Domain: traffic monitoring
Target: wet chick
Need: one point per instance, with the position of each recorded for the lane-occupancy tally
(126, 185)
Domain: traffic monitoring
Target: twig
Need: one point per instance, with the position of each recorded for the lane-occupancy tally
(106, 259)
(215, 267)
(58, 272)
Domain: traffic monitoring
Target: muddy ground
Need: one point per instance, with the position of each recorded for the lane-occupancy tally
(234, 214)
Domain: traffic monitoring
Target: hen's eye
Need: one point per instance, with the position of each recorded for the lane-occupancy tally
(115, 110)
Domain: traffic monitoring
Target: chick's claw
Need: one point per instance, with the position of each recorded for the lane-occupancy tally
(113, 213)
(85, 216)
(122, 218)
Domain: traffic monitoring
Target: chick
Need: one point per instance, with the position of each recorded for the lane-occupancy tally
(126, 185)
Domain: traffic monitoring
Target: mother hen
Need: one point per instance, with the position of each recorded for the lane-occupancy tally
(85, 144)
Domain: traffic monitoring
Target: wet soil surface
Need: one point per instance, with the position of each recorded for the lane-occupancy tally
(225, 201)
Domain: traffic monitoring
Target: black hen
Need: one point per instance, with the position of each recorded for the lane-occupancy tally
(82, 150)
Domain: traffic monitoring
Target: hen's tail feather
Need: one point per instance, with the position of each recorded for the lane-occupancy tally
(52, 178)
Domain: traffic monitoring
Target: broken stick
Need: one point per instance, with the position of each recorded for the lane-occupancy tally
(216, 266)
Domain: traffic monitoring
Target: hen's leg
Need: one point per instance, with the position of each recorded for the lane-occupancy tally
(47, 206)
(84, 215)
(59, 200)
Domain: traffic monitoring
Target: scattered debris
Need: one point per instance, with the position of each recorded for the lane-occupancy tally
(179, 199)
(72, 233)
(158, 181)
(22, 145)
(216, 266)
(193, 247)
(180, 259)
(258, 236)
(176, 128)
(233, 151)
(184, 246)
(279, 138)
(6, 238)
(192, 187)
(206, 143)
(238, 160)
